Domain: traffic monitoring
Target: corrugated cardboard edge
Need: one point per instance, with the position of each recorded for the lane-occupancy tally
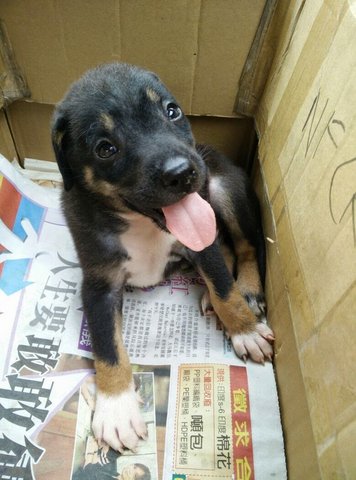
(301, 456)
(12, 83)
(258, 63)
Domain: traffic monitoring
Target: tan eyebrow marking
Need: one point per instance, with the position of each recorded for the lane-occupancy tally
(58, 137)
(152, 95)
(108, 121)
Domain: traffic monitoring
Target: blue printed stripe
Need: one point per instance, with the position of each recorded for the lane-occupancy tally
(29, 210)
(14, 271)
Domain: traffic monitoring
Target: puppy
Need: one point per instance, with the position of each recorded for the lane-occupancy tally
(142, 200)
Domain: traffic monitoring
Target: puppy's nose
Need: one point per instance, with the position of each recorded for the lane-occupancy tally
(178, 175)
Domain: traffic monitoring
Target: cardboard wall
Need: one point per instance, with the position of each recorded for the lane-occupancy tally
(30, 126)
(307, 127)
(56, 41)
(198, 47)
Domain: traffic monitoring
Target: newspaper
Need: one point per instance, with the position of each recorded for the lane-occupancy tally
(209, 415)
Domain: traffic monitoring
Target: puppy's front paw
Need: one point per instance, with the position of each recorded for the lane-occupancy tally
(257, 304)
(118, 421)
(256, 344)
(206, 306)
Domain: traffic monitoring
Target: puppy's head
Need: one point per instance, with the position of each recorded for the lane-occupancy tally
(120, 133)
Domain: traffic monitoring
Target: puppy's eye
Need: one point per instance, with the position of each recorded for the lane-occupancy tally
(173, 112)
(105, 149)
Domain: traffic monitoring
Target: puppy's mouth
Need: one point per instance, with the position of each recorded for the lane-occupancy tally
(188, 217)
(192, 221)
(172, 198)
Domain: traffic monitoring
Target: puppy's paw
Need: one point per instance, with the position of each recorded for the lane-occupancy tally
(206, 306)
(117, 420)
(256, 344)
(257, 304)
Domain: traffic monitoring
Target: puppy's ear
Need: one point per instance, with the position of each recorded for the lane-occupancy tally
(60, 144)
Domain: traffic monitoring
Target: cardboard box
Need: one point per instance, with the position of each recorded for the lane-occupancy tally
(306, 126)
(216, 57)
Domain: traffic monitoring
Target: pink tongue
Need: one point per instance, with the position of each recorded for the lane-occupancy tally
(192, 222)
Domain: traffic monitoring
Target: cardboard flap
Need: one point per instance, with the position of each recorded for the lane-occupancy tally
(12, 83)
(197, 47)
(6, 140)
(260, 57)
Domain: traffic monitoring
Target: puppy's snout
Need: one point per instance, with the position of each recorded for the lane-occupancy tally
(178, 175)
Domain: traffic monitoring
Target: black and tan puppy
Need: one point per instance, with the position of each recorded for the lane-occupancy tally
(141, 200)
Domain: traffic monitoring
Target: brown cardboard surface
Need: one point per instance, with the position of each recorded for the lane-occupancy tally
(198, 47)
(235, 137)
(225, 30)
(6, 141)
(30, 124)
(307, 128)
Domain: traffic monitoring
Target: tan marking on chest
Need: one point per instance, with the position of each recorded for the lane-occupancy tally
(149, 249)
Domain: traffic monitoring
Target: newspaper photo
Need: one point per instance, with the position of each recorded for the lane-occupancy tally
(209, 415)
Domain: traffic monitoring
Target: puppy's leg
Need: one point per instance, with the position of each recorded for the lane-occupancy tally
(248, 277)
(229, 258)
(117, 419)
(249, 337)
